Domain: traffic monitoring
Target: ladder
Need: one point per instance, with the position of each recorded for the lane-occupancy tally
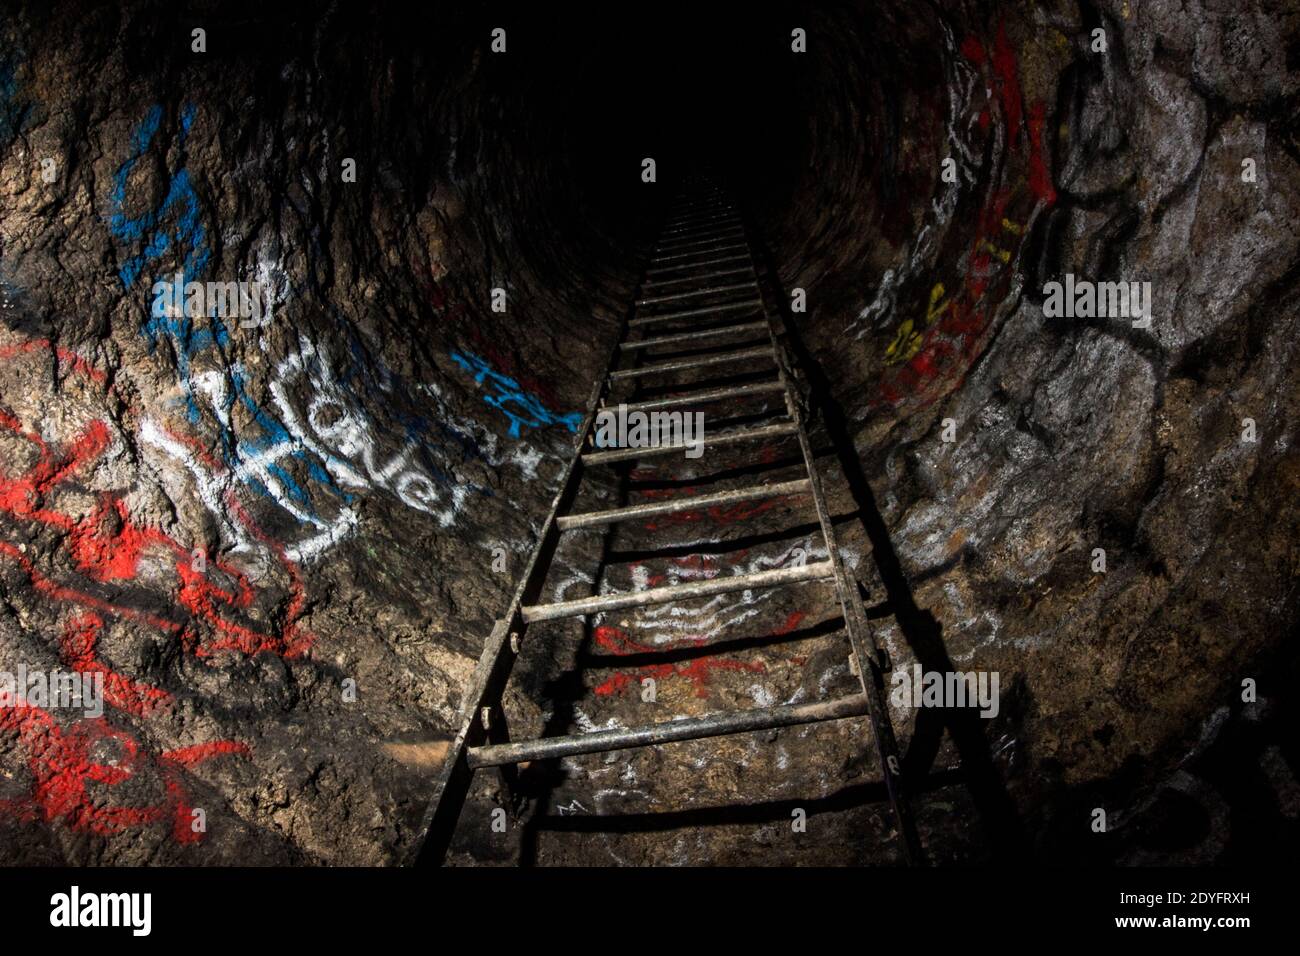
(703, 253)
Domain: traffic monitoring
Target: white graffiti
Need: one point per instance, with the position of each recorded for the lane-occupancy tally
(961, 92)
(523, 455)
(215, 486)
(322, 423)
(668, 623)
(338, 432)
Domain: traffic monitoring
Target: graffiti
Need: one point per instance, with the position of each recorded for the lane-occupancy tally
(482, 442)
(108, 545)
(1040, 178)
(339, 433)
(306, 463)
(331, 432)
(502, 361)
(71, 769)
(665, 624)
(961, 84)
(939, 347)
(109, 567)
(615, 641)
(188, 231)
(175, 226)
(77, 648)
(522, 408)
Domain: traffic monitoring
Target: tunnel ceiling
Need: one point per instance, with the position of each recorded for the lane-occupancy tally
(363, 469)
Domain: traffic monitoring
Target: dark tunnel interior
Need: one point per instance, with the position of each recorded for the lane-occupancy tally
(447, 211)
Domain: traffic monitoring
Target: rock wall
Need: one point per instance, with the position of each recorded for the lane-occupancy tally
(1168, 157)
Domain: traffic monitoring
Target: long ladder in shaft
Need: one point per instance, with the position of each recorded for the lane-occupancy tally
(703, 253)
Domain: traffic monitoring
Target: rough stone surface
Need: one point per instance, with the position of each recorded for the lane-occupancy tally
(364, 474)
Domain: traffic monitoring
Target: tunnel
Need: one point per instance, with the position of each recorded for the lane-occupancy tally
(303, 306)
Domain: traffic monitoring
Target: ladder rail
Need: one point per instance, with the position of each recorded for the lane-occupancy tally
(861, 638)
(488, 682)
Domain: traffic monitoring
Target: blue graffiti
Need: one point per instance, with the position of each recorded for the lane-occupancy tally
(522, 408)
(188, 230)
(177, 219)
(176, 225)
(174, 229)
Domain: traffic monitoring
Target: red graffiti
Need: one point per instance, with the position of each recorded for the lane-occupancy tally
(791, 623)
(80, 637)
(1040, 179)
(954, 341)
(616, 641)
(108, 545)
(71, 768)
(108, 548)
(1006, 81)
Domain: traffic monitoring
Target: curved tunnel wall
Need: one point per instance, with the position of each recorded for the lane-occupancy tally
(341, 463)
(364, 473)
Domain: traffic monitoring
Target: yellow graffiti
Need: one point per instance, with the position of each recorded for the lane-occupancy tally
(905, 345)
(1002, 254)
(907, 341)
(936, 308)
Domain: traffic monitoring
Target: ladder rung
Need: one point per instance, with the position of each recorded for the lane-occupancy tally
(687, 255)
(752, 493)
(719, 208)
(726, 438)
(704, 198)
(703, 310)
(680, 364)
(702, 211)
(715, 274)
(692, 336)
(700, 237)
(688, 728)
(704, 225)
(697, 246)
(693, 222)
(654, 300)
(696, 265)
(704, 397)
(726, 584)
